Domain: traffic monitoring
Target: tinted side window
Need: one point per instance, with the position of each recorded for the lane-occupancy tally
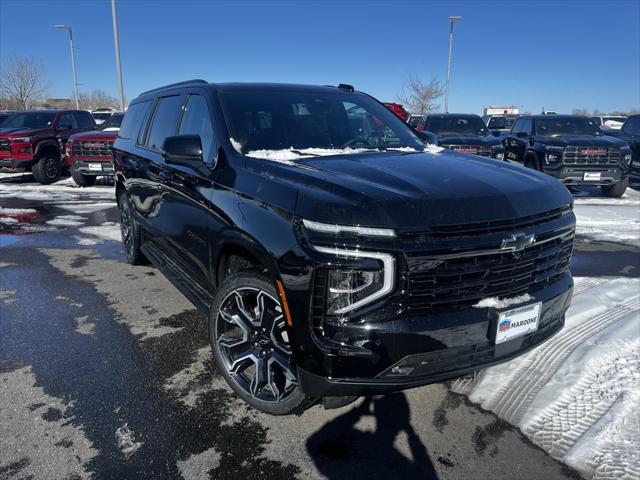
(632, 126)
(67, 119)
(517, 126)
(165, 121)
(133, 118)
(526, 126)
(84, 119)
(197, 121)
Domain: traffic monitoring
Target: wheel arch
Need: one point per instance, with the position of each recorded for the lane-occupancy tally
(48, 146)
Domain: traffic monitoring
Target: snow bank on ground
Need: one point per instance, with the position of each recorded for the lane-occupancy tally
(106, 231)
(61, 190)
(494, 302)
(601, 219)
(576, 395)
(67, 221)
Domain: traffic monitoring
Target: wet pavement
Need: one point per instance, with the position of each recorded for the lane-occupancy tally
(106, 372)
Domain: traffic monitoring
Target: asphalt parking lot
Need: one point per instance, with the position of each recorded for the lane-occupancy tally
(106, 372)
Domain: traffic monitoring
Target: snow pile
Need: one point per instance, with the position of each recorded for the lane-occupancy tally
(601, 219)
(577, 395)
(126, 441)
(67, 221)
(494, 302)
(106, 231)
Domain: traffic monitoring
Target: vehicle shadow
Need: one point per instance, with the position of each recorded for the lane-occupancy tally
(340, 450)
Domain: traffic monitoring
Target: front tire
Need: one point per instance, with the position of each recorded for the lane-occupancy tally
(83, 180)
(131, 232)
(617, 189)
(47, 169)
(249, 340)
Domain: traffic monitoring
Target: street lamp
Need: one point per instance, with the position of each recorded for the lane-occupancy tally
(73, 61)
(117, 44)
(452, 20)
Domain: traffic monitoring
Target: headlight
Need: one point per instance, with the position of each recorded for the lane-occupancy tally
(626, 158)
(351, 289)
(498, 156)
(336, 229)
(553, 155)
(21, 140)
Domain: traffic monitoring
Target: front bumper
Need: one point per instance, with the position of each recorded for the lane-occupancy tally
(575, 175)
(417, 350)
(94, 167)
(9, 164)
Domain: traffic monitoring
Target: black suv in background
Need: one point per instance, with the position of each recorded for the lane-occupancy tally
(463, 132)
(630, 133)
(571, 148)
(34, 141)
(334, 253)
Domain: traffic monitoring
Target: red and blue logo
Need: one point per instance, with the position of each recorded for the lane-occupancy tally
(504, 325)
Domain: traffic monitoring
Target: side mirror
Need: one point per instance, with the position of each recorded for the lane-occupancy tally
(183, 149)
(427, 137)
(522, 134)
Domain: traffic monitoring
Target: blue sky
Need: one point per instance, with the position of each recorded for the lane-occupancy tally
(554, 54)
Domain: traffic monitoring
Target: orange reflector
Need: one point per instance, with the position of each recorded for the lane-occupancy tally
(285, 305)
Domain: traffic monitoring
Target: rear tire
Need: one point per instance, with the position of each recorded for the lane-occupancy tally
(617, 189)
(83, 180)
(47, 169)
(248, 337)
(131, 232)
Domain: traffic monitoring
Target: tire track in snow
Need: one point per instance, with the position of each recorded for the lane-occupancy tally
(558, 427)
(529, 378)
(585, 283)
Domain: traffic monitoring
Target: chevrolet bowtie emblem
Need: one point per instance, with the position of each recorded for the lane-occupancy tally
(517, 242)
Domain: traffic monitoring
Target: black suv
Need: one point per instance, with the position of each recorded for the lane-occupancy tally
(463, 132)
(334, 253)
(630, 133)
(571, 148)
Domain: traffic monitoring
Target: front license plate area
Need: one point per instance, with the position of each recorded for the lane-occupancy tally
(592, 176)
(517, 322)
(95, 167)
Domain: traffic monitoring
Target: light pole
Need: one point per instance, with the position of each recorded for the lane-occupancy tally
(452, 20)
(73, 61)
(116, 40)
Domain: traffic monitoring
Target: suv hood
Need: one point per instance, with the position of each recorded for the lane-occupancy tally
(582, 141)
(414, 190)
(488, 140)
(23, 131)
(97, 135)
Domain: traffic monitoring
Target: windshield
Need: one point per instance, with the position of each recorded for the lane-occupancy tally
(100, 116)
(113, 121)
(30, 120)
(456, 125)
(503, 123)
(557, 126)
(312, 123)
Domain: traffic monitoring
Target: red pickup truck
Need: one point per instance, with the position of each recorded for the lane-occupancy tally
(89, 155)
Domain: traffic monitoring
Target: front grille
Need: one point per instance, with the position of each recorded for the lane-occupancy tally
(450, 281)
(590, 156)
(92, 149)
(5, 145)
(482, 228)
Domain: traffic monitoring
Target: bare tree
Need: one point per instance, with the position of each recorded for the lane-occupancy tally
(418, 96)
(96, 99)
(580, 111)
(22, 80)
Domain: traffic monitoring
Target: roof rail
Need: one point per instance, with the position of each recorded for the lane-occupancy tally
(186, 82)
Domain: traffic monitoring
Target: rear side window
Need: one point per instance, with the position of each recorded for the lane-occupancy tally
(84, 119)
(133, 119)
(517, 127)
(165, 121)
(197, 121)
(67, 120)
